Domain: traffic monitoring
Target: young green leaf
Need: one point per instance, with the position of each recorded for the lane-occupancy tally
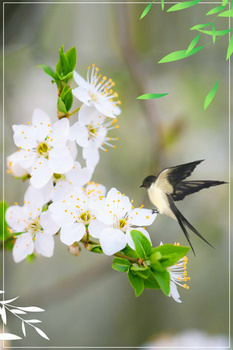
(131, 253)
(151, 282)
(3, 234)
(228, 13)
(120, 264)
(151, 96)
(210, 95)
(146, 10)
(71, 55)
(200, 26)
(230, 48)
(170, 254)
(183, 5)
(224, 2)
(48, 70)
(193, 43)
(136, 282)
(67, 77)
(140, 271)
(61, 106)
(64, 63)
(215, 10)
(179, 55)
(163, 278)
(142, 244)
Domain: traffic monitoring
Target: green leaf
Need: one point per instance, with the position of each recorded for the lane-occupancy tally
(48, 70)
(58, 68)
(120, 264)
(224, 2)
(170, 254)
(64, 63)
(96, 248)
(61, 106)
(179, 55)
(200, 26)
(71, 55)
(228, 13)
(230, 48)
(146, 10)
(151, 282)
(214, 33)
(136, 282)
(67, 77)
(140, 271)
(151, 96)
(131, 253)
(210, 95)
(67, 97)
(215, 10)
(183, 5)
(155, 263)
(193, 43)
(217, 32)
(3, 234)
(162, 4)
(142, 244)
(163, 278)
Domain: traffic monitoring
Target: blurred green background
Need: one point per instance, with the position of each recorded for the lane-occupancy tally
(87, 303)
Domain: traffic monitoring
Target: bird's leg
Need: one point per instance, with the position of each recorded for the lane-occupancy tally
(154, 211)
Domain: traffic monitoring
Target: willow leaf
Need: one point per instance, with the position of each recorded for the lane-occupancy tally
(217, 32)
(230, 48)
(214, 33)
(183, 5)
(179, 55)
(210, 95)
(151, 96)
(162, 4)
(228, 13)
(146, 10)
(193, 43)
(200, 26)
(215, 10)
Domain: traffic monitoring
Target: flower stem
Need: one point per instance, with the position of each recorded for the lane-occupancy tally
(75, 111)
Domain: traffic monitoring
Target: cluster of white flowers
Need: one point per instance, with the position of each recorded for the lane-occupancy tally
(60, 196)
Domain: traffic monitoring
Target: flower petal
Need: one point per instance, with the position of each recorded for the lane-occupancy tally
(141, 217)
(112, 241)
(34, 201)
(95, 228)
(41, 124)
(41, 173)
(72, 233)
(61, 212)
(16, 218)
(79, 80)
(13, 165)
(23, 247)
(174, 292)
(44, 244)
(79, 176)
(82, 95)
(60, 132)
(89, 116)
(91, 154)
(24, 136)
(79, 133)
(60, 160)
(48, 224)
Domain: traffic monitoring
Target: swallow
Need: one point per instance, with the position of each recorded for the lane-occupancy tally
(169, 187)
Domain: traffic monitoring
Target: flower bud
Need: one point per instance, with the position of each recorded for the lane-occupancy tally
(74, 249)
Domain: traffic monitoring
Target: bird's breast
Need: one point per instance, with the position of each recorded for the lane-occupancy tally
(159, 198)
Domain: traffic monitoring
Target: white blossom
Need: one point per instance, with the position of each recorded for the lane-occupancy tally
(42, 147)
(96, 91)
(115, 219)
(74, 214)
(90, 132)
(13, 166)
(36, 227)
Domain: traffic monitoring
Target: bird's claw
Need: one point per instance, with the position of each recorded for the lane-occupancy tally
(154, 211)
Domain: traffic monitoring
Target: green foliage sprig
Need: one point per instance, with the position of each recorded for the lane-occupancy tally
(192, 49)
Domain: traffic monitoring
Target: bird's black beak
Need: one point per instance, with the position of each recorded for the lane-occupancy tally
(142, 186)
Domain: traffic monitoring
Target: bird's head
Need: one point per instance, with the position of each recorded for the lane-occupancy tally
(147, 182)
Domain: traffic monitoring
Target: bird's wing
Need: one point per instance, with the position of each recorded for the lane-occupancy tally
(185, 188)
(168, 178)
